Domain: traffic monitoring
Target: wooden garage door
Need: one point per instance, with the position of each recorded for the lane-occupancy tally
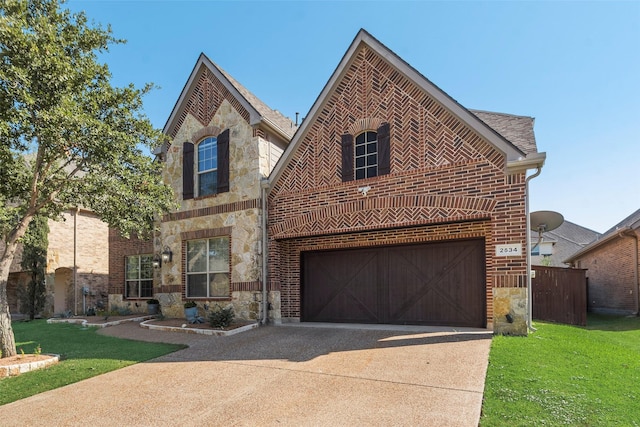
(428, 284)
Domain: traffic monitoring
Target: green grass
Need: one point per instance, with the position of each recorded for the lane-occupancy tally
(565, 375)
(83, 352)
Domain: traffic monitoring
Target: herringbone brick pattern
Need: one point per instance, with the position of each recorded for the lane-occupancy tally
(446, 182)
(205, 100)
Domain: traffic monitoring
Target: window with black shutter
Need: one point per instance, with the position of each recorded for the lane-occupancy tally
(367, 156)
(205, 166)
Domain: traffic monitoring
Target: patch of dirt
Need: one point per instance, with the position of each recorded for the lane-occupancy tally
(27, 358)
(178, 323)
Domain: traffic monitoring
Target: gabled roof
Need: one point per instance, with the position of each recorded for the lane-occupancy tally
(568, 238)
(259, 112)
(518, 159)
(632, 222)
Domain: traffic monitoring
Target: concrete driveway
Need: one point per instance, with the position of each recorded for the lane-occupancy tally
(285, 376)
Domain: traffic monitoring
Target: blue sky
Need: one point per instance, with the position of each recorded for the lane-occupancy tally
(573, 65)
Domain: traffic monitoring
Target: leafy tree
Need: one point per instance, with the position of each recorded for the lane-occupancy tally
(34, 260)
(67, 136)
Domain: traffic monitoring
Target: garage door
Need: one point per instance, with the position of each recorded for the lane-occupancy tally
(428, 284)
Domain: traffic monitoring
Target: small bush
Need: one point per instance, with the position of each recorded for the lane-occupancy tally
(221, 317)
(190, 304)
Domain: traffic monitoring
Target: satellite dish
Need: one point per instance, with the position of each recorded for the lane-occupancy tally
(542, 221)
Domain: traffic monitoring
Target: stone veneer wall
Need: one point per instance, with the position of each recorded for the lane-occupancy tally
(236, 213)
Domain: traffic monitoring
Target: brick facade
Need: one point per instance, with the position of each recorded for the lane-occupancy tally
(119, 249)
(446, 182)
(612, 272)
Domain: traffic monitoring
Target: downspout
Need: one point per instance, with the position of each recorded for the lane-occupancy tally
(75, 264)
(264, 186)
(623, 233)
(526, 210)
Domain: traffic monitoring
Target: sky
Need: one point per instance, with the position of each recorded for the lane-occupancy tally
(572, 65)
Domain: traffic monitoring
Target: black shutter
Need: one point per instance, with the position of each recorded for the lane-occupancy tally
(347, 158)
(223, 162)
(187, 170)
(384, 150)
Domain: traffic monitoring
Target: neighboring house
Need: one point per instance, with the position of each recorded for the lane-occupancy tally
(224, 142)
(395, 204)
(78, 242)
(559, 244)
(613, 268)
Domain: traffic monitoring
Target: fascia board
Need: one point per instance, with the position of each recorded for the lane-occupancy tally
(532, 161)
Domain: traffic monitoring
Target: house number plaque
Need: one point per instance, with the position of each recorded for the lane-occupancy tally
(514, 249)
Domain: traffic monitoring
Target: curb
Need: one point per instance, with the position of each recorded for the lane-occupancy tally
(20, 368)
(186, 330)
(85, 322)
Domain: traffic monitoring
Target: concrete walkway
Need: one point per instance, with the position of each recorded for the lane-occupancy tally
(285, 376)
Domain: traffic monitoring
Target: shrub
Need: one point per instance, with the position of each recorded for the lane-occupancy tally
(190, 304)
(221, 317)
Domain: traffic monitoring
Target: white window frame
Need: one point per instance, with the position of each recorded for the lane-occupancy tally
(138, 281)
(199, 172)
(366, 167)
(209, 269)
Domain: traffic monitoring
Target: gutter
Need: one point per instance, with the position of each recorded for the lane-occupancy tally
(526, 211)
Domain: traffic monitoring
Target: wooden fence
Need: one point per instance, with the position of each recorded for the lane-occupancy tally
(559, 295)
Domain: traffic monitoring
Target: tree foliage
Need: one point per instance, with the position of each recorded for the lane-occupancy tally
(34, 261)
(67, 136)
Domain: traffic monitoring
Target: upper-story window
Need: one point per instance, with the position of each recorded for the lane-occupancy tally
(368, 156)
(207, 166)
(206, 171)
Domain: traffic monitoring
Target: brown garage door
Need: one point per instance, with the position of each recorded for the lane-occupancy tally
(427, 284)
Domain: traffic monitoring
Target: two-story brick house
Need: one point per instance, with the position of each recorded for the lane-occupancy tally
(392, 203)
(395, 204)
(224, 142)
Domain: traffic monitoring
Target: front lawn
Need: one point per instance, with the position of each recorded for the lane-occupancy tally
(565, 375)
(83, 354)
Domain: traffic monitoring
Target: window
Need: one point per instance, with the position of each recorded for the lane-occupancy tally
(369, 156)
(207, 166)
(139, 276)
(208, 268)
(209, 171)
(366, 155)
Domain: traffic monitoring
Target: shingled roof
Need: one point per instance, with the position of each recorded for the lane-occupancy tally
(516, 129)
(285, 124)
(259, 112)
(632, 222)
(569, 238)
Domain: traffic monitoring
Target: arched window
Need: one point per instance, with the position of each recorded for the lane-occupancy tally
(207, 176)
(366, 157)
(205, 167)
